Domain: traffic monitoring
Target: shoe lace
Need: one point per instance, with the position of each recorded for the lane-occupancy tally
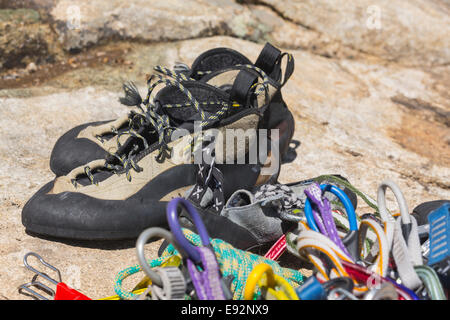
(262, 87)
(149, 116)
(283, 198)
(208, 177)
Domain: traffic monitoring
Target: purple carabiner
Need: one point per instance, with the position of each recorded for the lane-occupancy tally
(175, 227)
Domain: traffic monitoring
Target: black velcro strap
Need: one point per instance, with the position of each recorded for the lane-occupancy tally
(241, 86)
(268, 58)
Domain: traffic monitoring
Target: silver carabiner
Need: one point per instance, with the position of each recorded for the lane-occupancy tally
(140, 243)
(167, 283)
(425, 247)
(340, 294)
(385, 292)
(34, 294)
(26, 288)
(41, 274)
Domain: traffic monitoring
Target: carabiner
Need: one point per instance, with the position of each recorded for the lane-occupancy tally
(208, 283)
(363, 275)
(140, 243)
(169, 261)
(345, 283)
(311, 289)
(341, 294)
(345, 201)
(386, 291)
(387, 218)
(175, 227)
(63, 291)
(431, 282)
(38, 273)
(34, 294)
(351, 239)
(381, 264)
(402, 235)
(275, 286)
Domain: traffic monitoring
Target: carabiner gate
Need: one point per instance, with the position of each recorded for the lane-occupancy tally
(274, 286)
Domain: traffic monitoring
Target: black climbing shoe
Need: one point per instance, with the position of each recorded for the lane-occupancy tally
(118, 197)
(97, 140)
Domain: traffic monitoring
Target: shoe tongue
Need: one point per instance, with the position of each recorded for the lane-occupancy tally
(182, 114)
(217, 59)
(174, 104)
(180, 110)
(99, 175)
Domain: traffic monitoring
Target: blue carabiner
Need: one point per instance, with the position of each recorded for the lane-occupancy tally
(351, 239)
(175, 227)
(344, 200)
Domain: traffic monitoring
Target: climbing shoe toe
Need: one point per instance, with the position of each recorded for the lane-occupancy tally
(71, 151)
(78, 216)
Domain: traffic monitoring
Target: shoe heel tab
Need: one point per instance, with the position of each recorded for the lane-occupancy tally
(267, 59)
(270, 60)
(240, 91)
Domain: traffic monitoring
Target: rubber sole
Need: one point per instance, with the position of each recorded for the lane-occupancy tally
(77, 216)
(92, 235)
(422, 211)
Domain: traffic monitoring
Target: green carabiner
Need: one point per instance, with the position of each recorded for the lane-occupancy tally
(431, 282)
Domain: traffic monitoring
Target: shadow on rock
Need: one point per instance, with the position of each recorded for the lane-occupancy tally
(92, 244)
(291, 153)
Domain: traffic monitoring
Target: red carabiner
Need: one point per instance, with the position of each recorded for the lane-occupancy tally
(363, 275)
(64, 292)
